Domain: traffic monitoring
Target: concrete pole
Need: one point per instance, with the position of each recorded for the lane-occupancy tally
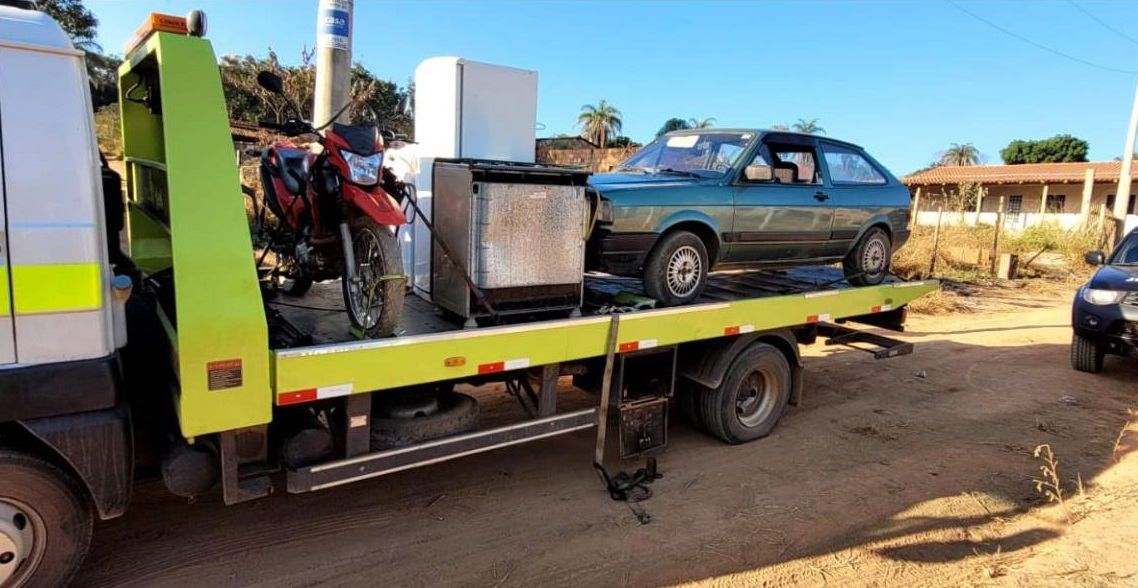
(333, 60)
(1122, 196)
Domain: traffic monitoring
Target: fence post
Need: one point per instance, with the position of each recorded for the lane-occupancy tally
(936, 240)
(996, 236)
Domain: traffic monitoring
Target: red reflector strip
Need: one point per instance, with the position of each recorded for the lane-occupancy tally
(311, 394)
(503, 366)
(739, 329)
(817, 318)
(637, 345)
(296, 397)
(882, 308)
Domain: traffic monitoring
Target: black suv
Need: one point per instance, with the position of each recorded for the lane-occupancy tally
(1105, 313)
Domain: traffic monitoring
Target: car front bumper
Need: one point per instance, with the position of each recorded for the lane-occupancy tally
(621, 254)
(1115, 325)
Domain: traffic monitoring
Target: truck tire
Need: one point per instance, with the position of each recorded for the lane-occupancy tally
(45, 523)
(1086, 355)
(676, 270)
(751, 398)
(869, 262)
(457, 413)
(384, 277)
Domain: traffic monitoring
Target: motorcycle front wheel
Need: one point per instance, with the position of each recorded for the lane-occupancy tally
(374, 299)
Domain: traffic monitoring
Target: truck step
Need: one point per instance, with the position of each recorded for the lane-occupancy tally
(390, 461)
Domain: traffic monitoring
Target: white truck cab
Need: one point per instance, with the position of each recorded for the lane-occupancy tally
(57, 302)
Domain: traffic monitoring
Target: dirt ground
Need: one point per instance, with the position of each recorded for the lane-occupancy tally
(914, 471)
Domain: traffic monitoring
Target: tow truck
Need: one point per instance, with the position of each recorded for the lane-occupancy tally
(165, 361)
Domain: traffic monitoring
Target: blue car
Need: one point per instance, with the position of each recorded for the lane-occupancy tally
(1104, 316)
(694, 201)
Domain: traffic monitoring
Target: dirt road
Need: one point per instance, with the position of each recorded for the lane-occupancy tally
(912, 471)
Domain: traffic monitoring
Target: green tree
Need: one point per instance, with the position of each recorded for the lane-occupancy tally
(958, 154)
(809, 127)
(622, 141)
(674, 124)
(705, 123)
(248, 102)
(1059, 148)
(79, 23)
(600, 123)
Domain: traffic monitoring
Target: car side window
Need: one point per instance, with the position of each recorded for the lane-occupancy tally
(847, 166)
(795, 164)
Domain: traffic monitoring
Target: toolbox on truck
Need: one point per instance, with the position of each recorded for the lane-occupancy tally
(518, 231)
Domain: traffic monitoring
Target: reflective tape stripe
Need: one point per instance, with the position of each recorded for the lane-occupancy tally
(5, 299)
(637, 345)
(38, 289)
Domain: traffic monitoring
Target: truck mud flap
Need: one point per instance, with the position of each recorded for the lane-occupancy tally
(336, 473)
(880, 346)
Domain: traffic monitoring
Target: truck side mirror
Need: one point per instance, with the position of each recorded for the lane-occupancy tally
(271, 82)
(758, 173)
(1095, 258)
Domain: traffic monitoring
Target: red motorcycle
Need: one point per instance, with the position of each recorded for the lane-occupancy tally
(334, 218)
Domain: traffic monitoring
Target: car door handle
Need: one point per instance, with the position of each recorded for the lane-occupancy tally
(821, 196)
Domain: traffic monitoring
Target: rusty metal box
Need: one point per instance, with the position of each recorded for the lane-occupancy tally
(518, 230)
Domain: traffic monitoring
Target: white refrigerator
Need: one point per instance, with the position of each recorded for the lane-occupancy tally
(464, 109)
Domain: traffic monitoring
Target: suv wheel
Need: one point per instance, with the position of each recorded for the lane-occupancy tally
(676, 271)
(869, 262)
(1086, 355)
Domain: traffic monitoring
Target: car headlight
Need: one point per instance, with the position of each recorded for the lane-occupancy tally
(365, 169)
(604, 211)
(1102, 297)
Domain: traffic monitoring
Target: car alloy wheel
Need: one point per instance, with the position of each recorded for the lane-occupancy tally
(683, 271)
(874, 256)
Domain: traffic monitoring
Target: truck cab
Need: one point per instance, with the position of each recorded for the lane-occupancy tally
(62, 313)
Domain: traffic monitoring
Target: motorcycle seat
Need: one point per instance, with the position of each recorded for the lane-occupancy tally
(292, 167)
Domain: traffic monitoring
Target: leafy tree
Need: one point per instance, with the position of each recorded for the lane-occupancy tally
(622, 141)
(103, 72)
(600, 122)
(76, 20)
(809, 127)
(1055, 149)
(674, 124)
(958, 154)
(705, 123)
(248, 102)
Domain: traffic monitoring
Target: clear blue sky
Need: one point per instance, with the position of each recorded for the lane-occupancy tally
(903, 79)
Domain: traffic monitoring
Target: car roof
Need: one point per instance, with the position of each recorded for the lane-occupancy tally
(762, 132)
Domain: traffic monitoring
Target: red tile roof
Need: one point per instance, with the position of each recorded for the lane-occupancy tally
(1026, 173)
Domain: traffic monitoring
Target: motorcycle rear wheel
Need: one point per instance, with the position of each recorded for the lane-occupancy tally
(375, 300)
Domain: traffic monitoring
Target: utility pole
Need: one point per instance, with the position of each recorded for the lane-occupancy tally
(1122, 196)
(333, 60)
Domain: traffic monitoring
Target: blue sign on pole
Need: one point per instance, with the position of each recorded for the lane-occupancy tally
(334, 27)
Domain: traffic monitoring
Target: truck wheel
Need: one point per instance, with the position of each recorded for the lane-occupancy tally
(869, 262)
(751, 398)
(406, 420)
(375, 303)
(676, 270)
(45, 524)
(1086, 355)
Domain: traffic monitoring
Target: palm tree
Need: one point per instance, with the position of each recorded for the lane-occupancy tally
(809, 127)
(600, 122)
(965, 154)
(706, 123)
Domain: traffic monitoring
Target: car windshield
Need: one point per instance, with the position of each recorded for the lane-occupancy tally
(707, 154)
(1127, 252)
